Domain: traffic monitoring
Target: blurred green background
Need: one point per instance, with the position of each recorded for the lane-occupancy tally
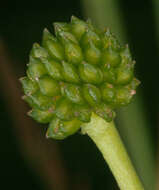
(77, 164)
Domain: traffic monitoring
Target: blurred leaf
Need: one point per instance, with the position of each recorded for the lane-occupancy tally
(133, 123)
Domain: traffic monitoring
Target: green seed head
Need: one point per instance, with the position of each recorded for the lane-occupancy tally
(78, 71)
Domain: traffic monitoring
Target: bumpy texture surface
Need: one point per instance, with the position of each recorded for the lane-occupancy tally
(80, 71)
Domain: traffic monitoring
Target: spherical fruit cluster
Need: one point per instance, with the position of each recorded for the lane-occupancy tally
(78, 71)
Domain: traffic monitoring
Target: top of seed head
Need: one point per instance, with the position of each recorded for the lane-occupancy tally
(78, 71)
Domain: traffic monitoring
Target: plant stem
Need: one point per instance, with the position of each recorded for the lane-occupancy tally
(109, 13)
(107, 139)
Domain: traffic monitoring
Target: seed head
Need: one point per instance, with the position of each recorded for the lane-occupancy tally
(78, 71)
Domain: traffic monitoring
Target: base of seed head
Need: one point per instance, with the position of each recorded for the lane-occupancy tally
(75, 72)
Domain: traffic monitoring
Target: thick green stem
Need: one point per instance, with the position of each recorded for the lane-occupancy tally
(108, 141)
